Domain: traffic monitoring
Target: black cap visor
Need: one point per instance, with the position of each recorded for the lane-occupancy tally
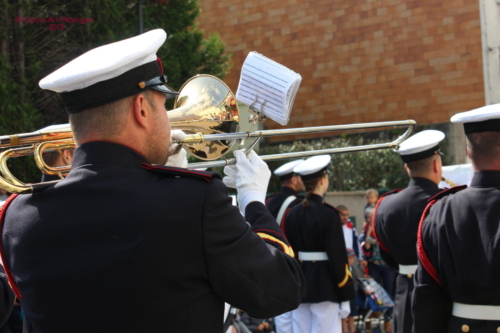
(421, 155)
(160, 84)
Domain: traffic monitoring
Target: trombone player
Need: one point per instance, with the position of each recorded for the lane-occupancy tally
(124, 245)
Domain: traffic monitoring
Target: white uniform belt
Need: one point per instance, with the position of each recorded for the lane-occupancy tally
(407, 269)
(313, 256)
(478, 312)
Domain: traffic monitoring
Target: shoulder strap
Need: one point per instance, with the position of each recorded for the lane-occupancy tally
(8, 272)
(181, 172)
(283, 208)
(328, 205)
(422, 254)
(375, 215)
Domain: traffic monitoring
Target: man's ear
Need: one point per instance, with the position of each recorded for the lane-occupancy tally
(68, 156)
(467, 151)
(407, 170)
(141, 110)
(436, 165)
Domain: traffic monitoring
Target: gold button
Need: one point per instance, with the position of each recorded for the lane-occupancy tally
(465, 328)
(498, 329)
(142, 84)
(410, 276)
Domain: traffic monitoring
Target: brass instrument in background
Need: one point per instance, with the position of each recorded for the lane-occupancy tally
(449, 182)
(206, 110)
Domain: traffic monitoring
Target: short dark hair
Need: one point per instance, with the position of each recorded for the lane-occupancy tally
(484, 147)
(105, 120)
(51, 157)
(421, 166)
(341, 208)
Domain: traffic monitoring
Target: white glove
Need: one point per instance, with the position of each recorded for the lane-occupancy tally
(250, 176)
(344, 309)
(178, 160)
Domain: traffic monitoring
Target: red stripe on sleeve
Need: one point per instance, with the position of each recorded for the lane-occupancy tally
(8, 272)
(422, 254)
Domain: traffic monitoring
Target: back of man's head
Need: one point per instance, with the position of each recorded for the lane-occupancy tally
(484, 150)
(421, 167)
(104, 121)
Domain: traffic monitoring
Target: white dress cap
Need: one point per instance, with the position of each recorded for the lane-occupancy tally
(421, 145)
(484, 113)
(484, 119)
(111, 72)
(313, 167)
(286, 170)
(105, 62)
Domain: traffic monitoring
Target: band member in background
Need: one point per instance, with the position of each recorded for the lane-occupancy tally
(457, 285)
(56, 159)
(291, 186)
(278, 204)
(315, 233)
(397, 215)
(124, 244)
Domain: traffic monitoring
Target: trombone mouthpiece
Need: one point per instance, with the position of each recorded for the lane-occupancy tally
(191, 138)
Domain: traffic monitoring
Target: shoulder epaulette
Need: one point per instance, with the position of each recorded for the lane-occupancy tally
(422, 254)
(181, 172)
(269, 197)
(382, 197)
(447, 191)
(389, 193)
(328, 205)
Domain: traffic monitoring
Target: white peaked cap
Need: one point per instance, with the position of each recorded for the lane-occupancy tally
(105, 62)
(313, 167)
(486, 118)
(481, 114)
(111, 72)
(287, 168)
(421, 145)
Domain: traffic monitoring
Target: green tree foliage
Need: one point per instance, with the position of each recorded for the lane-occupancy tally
(30, 51)
(381, 169)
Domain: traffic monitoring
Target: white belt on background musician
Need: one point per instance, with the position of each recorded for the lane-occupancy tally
(408, 270)
(477, 312)
(313, 256)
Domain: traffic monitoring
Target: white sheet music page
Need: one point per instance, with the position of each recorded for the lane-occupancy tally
(270, 86)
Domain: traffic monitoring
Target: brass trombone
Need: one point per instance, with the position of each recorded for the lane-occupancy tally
(205, 110)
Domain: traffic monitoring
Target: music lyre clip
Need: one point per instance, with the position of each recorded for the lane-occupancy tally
(255, 116)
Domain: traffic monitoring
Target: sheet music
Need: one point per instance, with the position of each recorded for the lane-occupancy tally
(270, 86)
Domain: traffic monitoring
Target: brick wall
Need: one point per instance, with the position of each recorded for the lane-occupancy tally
(361, 61)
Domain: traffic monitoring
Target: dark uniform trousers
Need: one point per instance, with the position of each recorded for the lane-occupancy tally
(397, 216)
(318, 228)
(459, 257)
(275, 202)
(122, 246)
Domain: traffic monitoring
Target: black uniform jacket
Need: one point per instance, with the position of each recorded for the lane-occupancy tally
(121, 246)
(318, 228)
(459, 244)
(396, 219)
(275, 202)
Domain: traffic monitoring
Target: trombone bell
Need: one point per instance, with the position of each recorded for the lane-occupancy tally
(206, 105)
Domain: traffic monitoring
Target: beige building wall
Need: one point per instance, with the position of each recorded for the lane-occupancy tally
(354, 201)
